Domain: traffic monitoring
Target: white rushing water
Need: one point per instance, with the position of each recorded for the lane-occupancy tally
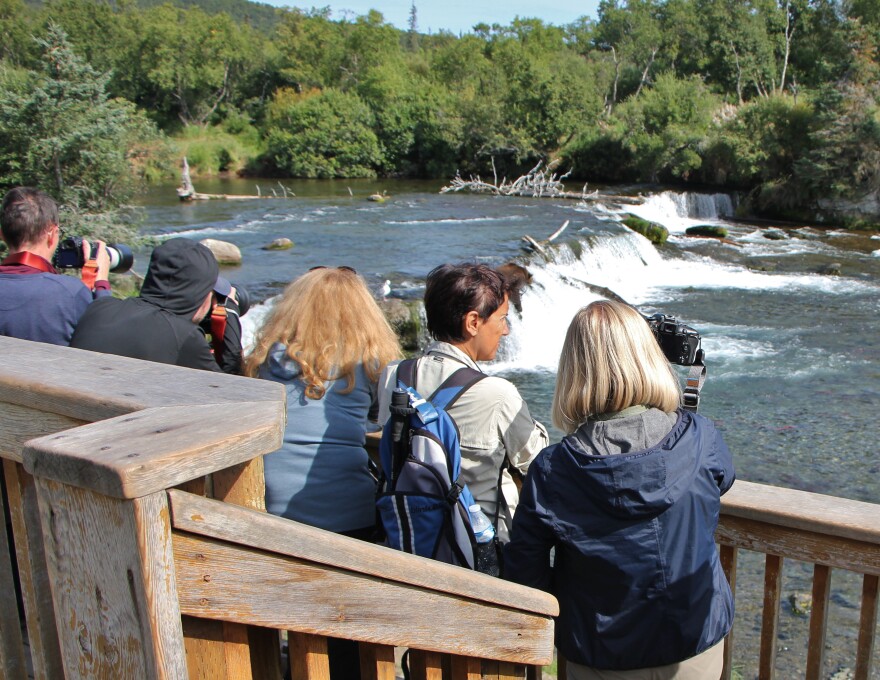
(630, 266)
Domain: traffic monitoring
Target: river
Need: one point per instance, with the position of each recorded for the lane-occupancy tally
(792, 354)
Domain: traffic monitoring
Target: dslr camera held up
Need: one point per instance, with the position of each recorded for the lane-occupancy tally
(680, 343)
(70, 255)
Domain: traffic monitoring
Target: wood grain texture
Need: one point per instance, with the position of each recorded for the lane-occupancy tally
(425, 665)
(18, 424)
(12, 656)
(729, 557)
(867, 627)
(377, 662)
(140, 453)
(465, 668)
(100, 386)
(804, 511)
(308, 657)
(113, 583)
(223, 581)
(818, 621)
(211, 518)
(799, 544)
(770, 617)
(205, 649)
(45, 649)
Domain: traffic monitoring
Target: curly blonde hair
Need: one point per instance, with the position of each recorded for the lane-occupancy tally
(610, 361)
(330, 323)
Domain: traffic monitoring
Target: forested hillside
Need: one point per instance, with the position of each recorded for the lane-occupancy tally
(777, 97)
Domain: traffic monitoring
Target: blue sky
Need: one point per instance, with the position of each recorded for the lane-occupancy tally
(457, 16)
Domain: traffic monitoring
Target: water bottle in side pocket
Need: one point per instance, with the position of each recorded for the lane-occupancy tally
(484, 532)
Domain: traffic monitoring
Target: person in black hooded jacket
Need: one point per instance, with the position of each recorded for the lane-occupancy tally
(630, 501)
(162, 324)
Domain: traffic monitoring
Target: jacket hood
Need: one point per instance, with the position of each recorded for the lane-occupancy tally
(181, 274)
(279, 365)
(640, 483)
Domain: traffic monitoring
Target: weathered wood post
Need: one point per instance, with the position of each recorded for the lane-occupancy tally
(89, 505)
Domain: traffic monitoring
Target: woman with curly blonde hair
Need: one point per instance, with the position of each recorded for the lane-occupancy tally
(326, 341)
(630, 501)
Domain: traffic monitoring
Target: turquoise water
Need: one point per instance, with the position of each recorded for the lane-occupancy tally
(792, 354)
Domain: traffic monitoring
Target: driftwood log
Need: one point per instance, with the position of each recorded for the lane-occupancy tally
(187, 192)
(536, 183)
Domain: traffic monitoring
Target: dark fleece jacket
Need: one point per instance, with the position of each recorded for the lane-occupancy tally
(158, 325)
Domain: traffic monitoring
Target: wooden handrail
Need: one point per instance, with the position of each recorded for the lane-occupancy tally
(92, 446)
(825, 531)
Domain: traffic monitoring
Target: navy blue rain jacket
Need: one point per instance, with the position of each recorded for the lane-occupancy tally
(636, 570)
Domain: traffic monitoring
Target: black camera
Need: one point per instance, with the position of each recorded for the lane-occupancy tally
(70, 255)
(242, 298)
(680, 343)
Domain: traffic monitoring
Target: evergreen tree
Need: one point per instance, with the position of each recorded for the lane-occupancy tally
(61, 132)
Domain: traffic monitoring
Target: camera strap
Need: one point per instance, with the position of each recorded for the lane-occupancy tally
(693, 385)
(89, 273)
(29, 260)
(218, 329)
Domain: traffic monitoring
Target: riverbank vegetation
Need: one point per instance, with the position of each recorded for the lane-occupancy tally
(776, 98)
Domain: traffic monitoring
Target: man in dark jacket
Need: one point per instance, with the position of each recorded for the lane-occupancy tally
(36, 302)
(162, 324)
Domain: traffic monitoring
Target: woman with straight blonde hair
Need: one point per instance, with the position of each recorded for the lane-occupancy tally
(630, 501)
(327, 342)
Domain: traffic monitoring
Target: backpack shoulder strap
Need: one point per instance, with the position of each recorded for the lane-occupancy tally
(406, 373)
(451, 389)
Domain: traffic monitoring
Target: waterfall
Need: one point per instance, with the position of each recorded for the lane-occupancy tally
(679, 210)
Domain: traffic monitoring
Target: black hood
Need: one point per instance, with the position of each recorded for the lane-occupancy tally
(180, 276)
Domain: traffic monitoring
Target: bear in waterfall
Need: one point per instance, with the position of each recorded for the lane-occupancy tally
(517, 277)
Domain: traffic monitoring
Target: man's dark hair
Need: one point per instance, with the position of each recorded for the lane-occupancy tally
(453, 290)
(25, 216)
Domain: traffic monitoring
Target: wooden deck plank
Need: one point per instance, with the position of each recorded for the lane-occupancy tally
(100, 386)
(812, 513)
(223, 581)
(377, 662)
(867, 627)
(211, 518)
(116, 604)
(33, 574)
(770, 617)
(12, 653)
(818, 621)
(799, 544)
(141, 453)
(308, 656)
(729, 556)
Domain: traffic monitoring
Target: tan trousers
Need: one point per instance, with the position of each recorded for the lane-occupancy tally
(705, 666)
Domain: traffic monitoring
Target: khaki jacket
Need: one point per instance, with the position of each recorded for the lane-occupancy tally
(494, 425)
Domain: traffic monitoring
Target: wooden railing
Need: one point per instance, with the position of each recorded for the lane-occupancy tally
(824, 531)
(125, 576)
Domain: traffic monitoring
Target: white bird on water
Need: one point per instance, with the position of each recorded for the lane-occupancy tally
(386, 289)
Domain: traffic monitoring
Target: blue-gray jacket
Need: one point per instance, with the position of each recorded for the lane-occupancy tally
(636, 569)
(320, 475)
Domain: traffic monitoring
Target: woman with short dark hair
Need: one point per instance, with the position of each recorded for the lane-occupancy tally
(630, 501)
(466, 306)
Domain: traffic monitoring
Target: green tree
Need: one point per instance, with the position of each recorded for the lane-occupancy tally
(322, 134)
(63, 133)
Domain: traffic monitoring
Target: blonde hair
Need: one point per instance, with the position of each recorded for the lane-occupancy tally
(610, 361)
(330, 323)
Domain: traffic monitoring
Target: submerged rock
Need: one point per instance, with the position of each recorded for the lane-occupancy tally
(775, 235)
(655, 233)
(707, 231)
(832, 269)
(279, 244)
(405, 318)
(225, 252)
(801, 603)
